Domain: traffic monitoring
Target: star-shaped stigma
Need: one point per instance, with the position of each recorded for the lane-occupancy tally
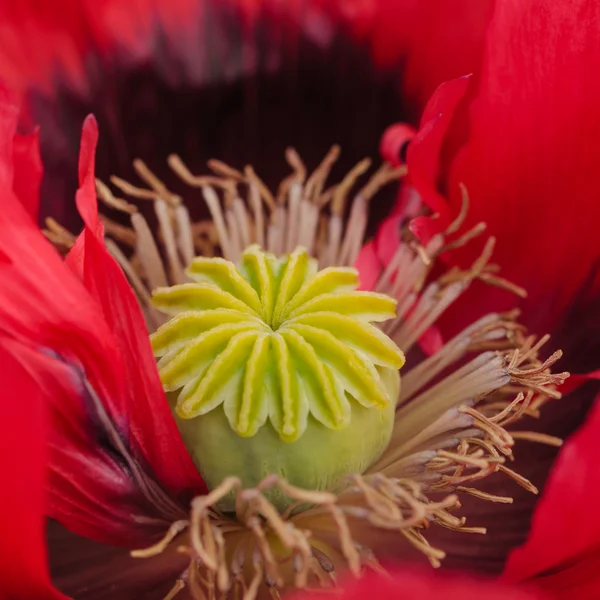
(273, 339)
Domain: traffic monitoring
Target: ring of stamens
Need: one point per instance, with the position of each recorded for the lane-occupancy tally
(460, 401)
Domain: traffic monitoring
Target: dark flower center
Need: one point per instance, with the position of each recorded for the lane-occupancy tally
(243, 98)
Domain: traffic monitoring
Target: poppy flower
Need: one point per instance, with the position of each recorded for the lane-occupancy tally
(125, 427)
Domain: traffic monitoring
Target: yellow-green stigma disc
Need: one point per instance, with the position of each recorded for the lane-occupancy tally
(274, 367)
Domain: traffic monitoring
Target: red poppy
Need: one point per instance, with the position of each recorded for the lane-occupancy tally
(118, 470)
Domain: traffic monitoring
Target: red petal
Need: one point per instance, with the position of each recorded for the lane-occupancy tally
(531, 161)
(60, 35)
(369, 266)
(575, 381)
(423, 585)
(424, 150)
(28, 171)
(154, 435)
(565, 524)
(43, 304)
(394, 142)
(579, 579)
(23, 568)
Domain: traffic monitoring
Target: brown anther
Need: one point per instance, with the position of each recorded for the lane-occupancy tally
(525, 370)
(119, 232)
(503, 284)
(324, 561)
(314, 184)
(433, 554)
(296, 177)
(462, 215)
(132, 190)
(293, 159)
(177, 587)
(176, 528)
(539, 438)
(471, 234)
(224, 170)
(340, 194)
(107, 197)
(155, 183)
(384, 175)
(265, 193)
(58, 234)
(484, 495)
(500, 437)
(522, 481)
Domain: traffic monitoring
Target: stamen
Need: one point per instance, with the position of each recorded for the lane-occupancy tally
(119, 232)
(540, 438)
(265, 193)
(468, 236)
(57, 234)
(464, 210)
(176, 528)
(147, 252)
(106, 196)
(155, 183)
(314, 184)
(522, 481)
(269, 540)
(185, 241)
(295, 198)
(166, 228)
(485, 496)
(177, 587)
(451, 352)
(212, 200)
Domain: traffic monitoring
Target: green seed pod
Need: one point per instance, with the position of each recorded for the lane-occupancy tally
(273, 367)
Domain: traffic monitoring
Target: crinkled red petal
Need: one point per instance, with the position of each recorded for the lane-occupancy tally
(424, 585)
(369, 266)
(566, 524)
(530, 163)
(89, 487)
(424, 151)
(43, 305)
(23, 567)
(154, 435)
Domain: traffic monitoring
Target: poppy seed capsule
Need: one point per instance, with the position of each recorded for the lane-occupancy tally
(275, 367)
